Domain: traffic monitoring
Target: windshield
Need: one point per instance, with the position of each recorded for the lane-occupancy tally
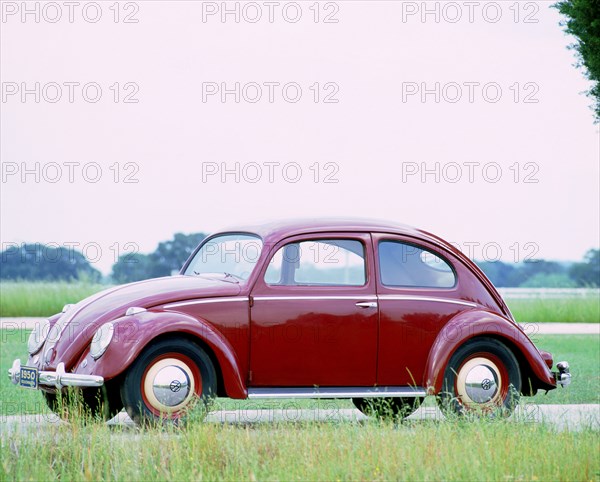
(230, 257)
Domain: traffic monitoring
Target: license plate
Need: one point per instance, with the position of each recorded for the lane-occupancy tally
(28, 377)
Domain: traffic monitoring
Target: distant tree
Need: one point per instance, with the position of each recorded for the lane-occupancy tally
(170, 255)
(499, 273)
(37, 261)
(132, 267)
(583, 22)
(545, 280)
(588, 272)
(539, 271)
(533, 267)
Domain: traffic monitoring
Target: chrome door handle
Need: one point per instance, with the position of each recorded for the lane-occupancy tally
(367, 304)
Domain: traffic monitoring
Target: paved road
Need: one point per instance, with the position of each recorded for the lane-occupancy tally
(530, 328)
(560, 417)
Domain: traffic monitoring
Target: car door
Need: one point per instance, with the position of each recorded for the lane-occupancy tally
(314, 316)
(418, 292)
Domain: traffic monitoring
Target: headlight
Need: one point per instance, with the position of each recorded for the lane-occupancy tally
(38, 336)
(101, 340)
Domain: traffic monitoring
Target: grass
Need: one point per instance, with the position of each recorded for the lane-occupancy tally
(561, 310)
(372, 450)
(583, 354)
(41, 298)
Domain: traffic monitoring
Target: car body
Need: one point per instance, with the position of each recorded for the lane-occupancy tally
(355, 309)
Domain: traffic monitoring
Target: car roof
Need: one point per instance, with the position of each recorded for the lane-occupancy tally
(274, 231)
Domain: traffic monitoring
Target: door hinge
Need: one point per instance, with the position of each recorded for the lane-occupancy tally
(251, 300)
(250, 376)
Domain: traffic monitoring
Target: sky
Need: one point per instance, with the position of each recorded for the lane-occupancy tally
(122, 124)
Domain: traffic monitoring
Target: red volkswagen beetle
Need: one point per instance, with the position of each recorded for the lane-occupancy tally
(314, 309)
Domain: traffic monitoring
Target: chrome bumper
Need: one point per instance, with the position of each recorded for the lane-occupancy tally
(563, 375)
(57, 379)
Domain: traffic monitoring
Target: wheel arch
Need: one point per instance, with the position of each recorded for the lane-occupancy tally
(203, 345)
(134, 334)
(476, 324)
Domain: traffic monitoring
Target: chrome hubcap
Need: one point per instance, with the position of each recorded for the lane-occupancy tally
(169, 385)
(479, 381)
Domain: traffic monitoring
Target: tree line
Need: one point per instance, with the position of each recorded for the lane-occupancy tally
(39, 262)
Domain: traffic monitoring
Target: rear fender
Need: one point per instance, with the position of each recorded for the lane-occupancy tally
(133, 334)
(476, 323)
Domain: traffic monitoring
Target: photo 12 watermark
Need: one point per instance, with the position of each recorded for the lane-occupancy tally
(70, 12)
(270, 172)
(491, 251)
(271, 12)
(470, 92)
(70, 172)
(522, 12)
(70, 92)
(69, 253)
(469, 172)
(270, 92)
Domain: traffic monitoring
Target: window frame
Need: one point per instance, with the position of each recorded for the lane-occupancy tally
(422, 247)
(316, 238)
(256, 268)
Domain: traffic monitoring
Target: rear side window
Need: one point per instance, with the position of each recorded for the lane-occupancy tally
(403, 264)
(320, 262)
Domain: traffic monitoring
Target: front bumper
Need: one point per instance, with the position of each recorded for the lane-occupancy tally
(563, 375)
(57, 379)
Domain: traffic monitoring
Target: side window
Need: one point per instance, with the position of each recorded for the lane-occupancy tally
(321, 262)
(403, 264)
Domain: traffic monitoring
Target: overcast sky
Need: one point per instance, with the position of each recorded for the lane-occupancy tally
(466, 120)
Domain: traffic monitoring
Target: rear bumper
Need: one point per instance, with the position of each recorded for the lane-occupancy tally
(57, 379)
(563, 375)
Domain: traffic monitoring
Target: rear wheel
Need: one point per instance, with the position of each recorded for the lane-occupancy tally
(166, 380)
(482, 377)
(387, 407)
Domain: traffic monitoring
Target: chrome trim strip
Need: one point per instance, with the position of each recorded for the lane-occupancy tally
(427, 298)
(308, 297)
(336, 392)
(134, 310)
(325, 297)
(212, 300)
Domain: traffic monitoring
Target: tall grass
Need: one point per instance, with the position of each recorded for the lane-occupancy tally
(42, 298)
(372, 450)
(551, 310)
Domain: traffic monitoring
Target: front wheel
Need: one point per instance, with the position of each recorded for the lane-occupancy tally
(165, 381)
(99, 403)
(482, 377)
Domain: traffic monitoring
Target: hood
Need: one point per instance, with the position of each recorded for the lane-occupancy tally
(78, 325)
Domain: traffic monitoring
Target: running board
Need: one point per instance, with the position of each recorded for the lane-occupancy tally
(336, 392)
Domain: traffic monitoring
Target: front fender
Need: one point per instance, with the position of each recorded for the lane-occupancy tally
(133, 333)
(471, 324)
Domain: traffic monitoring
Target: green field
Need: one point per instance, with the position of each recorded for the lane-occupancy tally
(41, 298)
(46, 298)
(566, 310)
